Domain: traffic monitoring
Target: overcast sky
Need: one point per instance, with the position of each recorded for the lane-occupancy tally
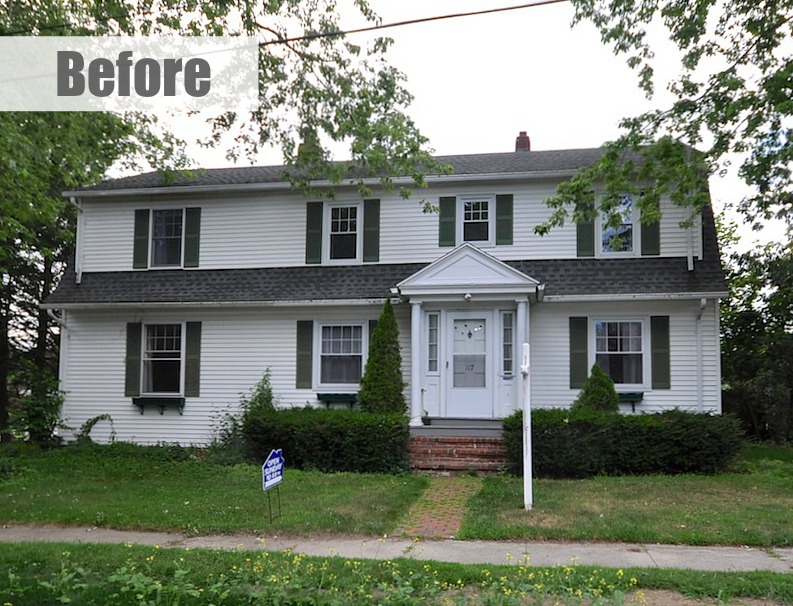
(478, 81)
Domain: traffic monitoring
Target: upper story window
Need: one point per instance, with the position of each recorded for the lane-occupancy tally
(476, 220)
(620, 350)
(343, 233)
(620, 239)
(166, 238)
(483, 220)
(162, 359)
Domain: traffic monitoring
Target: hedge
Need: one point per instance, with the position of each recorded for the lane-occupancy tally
(330, 440)
(569, 444)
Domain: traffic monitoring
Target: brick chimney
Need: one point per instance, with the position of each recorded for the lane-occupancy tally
(522, 142)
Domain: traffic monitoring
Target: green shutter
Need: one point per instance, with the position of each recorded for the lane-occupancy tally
(140, 251)
(192, 236)
(585, 239)
(659, 357)
(447, 227)
(371, 231)
(651, 239)
(579, 351)
(504, 219)
(305, 354)
(314, 232)
(132, 374)
(372, 326)
(192, 360)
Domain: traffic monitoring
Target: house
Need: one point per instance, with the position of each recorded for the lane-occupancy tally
(183, 293)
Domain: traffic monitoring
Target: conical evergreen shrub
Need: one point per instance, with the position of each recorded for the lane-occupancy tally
(598, 393)
(382, 383)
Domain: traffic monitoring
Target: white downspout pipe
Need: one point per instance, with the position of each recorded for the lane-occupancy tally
(78, 242)
(703, 302)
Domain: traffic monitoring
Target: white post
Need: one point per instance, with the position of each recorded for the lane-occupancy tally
(416, 411)
(528, 496)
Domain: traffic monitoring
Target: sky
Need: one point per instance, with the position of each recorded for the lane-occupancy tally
(477, 81)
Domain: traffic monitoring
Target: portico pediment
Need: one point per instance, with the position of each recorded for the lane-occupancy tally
(467, 269)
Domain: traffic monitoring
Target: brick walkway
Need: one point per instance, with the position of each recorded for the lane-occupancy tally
(439, 512)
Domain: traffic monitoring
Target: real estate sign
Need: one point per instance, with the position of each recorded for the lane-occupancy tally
(273, 469)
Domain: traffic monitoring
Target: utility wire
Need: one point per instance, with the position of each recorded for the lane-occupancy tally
(372, 28)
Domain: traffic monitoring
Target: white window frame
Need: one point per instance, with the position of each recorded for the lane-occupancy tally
(636, 245)
(427, 367)
(151, 239)
(491, 219)
(502, 371)
(326, 225)
(143, 359)
(646, 357)
(317, 361)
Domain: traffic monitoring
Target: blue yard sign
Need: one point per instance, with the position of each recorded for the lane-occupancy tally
(273, 470)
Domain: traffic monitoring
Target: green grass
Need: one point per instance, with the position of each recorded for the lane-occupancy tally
(749, 507)
(136, 488)
(38, 573)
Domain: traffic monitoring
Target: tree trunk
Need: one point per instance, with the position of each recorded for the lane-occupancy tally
(5, 363)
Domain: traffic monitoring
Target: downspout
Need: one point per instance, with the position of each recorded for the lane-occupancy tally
(690, 248)
(78, 242)
(703, 302)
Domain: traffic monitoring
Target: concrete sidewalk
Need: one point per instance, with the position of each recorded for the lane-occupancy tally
(615, 555)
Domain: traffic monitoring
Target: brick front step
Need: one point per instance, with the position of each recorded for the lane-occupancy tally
(456, 455)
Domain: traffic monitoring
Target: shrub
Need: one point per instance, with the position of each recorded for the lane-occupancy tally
(598, 393)
(330, 440)
(578, 444)
(382, 383)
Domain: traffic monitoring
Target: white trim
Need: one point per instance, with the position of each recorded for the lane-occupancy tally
(212, 304)
(646, 347)
(634, 297)
(327, 209)
(459, 227)
(182, 357)
(316, 363)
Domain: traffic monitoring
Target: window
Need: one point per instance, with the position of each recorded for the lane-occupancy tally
(342, 354)
(619, 239)
(432, 342)
(619, 350)
(343, 232)
(476, 220)
(508, 331)
(166, 238)
(162, 359)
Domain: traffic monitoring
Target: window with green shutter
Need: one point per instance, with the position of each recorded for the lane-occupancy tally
(660, 353)
(447, 224)
(314, 212)
(504, 221)
(579, 351)
(371, 231)
(305, 354)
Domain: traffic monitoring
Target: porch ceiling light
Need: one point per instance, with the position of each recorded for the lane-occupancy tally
(467, 298)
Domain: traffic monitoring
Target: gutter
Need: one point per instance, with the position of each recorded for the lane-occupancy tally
(283, 185)
(633, 297)
(214, 304)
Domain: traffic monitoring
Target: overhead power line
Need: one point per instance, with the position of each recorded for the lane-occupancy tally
(371, 28)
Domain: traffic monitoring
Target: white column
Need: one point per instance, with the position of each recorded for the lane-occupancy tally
(416, 411)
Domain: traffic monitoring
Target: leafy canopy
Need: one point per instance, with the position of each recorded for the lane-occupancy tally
(734, 94)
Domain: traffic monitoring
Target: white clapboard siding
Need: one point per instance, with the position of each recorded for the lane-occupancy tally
(550, 354)
(267, 229)
(236, 349)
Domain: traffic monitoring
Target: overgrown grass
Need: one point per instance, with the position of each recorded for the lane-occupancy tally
(748, 507)
(116, 574)
(174, 489)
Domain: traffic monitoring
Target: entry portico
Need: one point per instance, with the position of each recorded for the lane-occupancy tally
(469, 313)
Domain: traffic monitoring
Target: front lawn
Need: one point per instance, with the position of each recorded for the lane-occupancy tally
(748, 507)
(173, 489)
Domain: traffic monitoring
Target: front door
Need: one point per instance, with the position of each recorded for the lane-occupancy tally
(469, 369)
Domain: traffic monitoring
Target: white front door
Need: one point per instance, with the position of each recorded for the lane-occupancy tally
(469, 367)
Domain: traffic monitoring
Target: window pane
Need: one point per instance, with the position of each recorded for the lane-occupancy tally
(432, 343)
(341, 369)
(166, 242)
(624, 231)
(622, 368)
(473, 232)
(508, 346)
(343, 246)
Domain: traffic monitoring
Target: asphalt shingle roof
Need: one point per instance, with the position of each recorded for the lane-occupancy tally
(564, 160)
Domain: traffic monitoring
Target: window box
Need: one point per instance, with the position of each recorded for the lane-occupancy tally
(162, 403)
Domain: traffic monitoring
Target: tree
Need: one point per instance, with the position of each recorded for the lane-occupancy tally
(733, 95)
(382, 383)
(598, 393)
(757, 343)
